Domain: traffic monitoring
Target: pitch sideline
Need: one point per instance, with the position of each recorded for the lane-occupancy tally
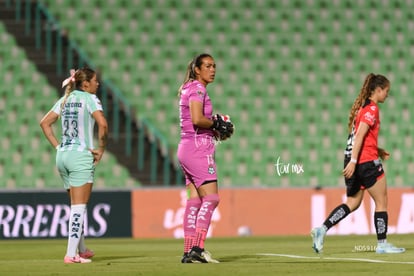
(333, 258)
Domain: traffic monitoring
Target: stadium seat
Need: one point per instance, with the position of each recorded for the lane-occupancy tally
(284, 68)
(27, 159)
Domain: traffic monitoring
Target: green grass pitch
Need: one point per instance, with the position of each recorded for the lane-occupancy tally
(290, 255)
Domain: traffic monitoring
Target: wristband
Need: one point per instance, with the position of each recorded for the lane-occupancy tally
(353, 160)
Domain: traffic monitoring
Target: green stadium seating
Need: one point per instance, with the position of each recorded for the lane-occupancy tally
(27, 160)
(288, 73)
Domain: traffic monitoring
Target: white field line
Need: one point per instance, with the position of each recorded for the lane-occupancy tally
(333, 258)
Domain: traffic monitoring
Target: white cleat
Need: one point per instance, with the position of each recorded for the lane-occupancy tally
(209, 259)
(388, 248)
(318, 236)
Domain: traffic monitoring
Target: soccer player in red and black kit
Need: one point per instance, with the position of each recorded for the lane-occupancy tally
(363, 169)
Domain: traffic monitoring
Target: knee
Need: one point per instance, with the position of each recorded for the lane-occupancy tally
(194, 202)
(381, 205)
(353, 205)
(213, 199)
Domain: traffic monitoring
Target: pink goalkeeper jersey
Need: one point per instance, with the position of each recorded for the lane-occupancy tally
(194, 91)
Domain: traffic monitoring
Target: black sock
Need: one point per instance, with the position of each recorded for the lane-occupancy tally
(381, 224)
(337, 214)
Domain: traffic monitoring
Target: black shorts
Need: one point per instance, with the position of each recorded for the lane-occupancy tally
(365, 176)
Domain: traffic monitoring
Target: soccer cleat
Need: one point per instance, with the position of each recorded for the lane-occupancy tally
(207, 256)
(76, 260)
(186, 259)
(196, 254)
(87, 254)
(318, 235)
(388, 248)
(200, 255)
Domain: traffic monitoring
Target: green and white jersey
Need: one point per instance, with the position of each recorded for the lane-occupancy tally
(77, 120)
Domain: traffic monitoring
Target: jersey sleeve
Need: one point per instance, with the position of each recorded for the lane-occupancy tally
(197, 93)
(57, 107)
(94, 104)
(369, 115)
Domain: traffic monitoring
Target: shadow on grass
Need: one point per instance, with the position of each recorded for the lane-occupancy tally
(237, 258)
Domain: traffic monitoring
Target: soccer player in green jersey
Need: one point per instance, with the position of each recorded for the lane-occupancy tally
(76, 155)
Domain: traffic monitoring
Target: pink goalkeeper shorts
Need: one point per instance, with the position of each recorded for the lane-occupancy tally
(196, 157)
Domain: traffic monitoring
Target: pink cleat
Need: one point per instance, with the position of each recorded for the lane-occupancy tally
(87, 254)
(76, 260)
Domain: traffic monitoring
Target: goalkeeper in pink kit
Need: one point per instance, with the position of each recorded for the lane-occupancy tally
(199, 131)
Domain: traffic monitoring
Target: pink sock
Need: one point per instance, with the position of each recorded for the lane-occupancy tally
(201, 235)
(209, 204)
(189, 223)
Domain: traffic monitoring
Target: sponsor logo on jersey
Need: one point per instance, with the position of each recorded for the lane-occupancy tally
(73, 105)
(369, 117)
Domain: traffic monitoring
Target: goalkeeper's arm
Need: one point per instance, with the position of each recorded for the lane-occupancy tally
(197, 117)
